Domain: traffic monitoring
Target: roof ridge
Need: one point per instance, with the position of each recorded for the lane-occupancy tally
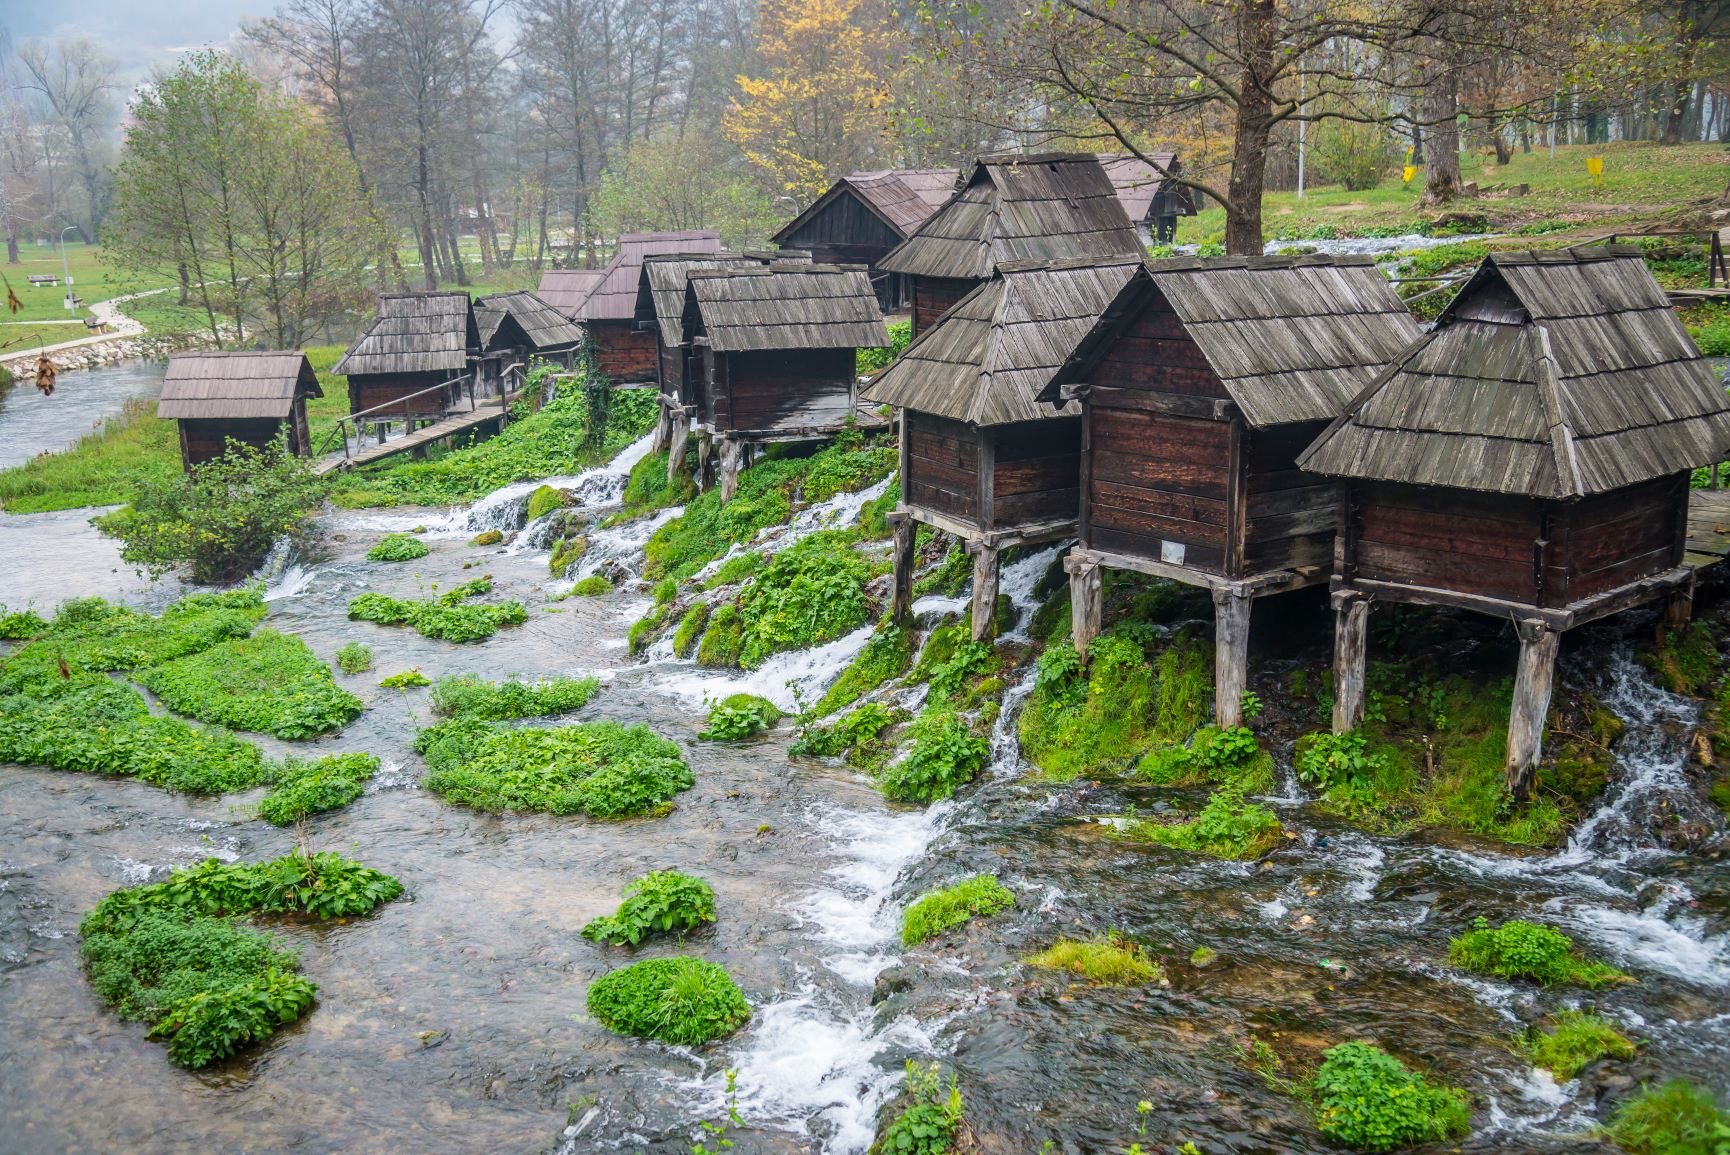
(1561, 435)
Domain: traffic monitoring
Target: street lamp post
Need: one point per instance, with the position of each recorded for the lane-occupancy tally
(66, 267)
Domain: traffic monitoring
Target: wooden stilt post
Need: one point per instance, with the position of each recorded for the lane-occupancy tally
(1231, 605)
(663, 429)
(678, 430)
(1351, 630)
(732, 461)
(705, 450)
(1533, 682)
(901, 589)
(1086, 598)
(984, 590)
(1679, 607)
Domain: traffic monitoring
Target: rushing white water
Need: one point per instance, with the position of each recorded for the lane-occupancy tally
(810, 671)
(1371, 246)
(621, 546)
(1018, 581)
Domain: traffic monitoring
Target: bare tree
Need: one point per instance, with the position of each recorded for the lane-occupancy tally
(75, 82)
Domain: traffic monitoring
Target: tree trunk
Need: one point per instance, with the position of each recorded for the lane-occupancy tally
(185, 286)
(1442, 150)
(1677, 114)
(1258, 32)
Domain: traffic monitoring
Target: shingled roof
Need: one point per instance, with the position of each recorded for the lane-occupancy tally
(216, 385)
(903, 198)
(1551, 374)
(415, 333)
(1138, 182)
(544, 327)
(1290, 338)
(614, 297)
(784, 306)
(988, 358)
(661, 286)
(1016, 208)
(567, 289)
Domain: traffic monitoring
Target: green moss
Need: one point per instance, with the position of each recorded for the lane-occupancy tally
(269, 682)
(1529, 950)
(976, 897)
(302, 788)
(1367, 1099)
(647, 489)
(566, 552)
(724, 640)
(683, 1001)
(1676, 1118)
(487, 537)
(1227, 827)
(602, 769)
(543, 501)
(1051, 621)
(398, 547)
(1685, 662)
(735, 569)
(1573, 1041)
(1111, 960)
(468, 695)
(593, 586)
(690, 629)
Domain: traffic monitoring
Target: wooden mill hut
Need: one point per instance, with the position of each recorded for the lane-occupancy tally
(418, 343)
(1528, 458)
(566, 289)
(1011, 208)
(982, 457)
(252, 398)
(623, 352)
(863, 216)
(1152, 196)
(1199, 386)
(535, 328)
(773, 356)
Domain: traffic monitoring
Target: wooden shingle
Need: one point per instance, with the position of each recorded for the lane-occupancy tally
(567, 289)
(544, 327)
(614, 296)
(415, 333)
(201, 386)
(783, 305)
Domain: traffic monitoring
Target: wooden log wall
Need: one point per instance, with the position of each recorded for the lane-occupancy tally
(1037, 475)
(622, 351)
(1289, 515)
(203, 439)
(1465, 542)
(785, 389)
(366, 391)
(934, 296)
(1610, 539)
(942, 459)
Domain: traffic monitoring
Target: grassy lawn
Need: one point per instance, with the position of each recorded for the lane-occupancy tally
(92, 279)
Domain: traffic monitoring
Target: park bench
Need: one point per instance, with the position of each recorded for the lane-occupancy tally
(44, 278)
(96, 324)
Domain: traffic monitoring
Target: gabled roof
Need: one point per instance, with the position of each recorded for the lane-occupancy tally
(614, 297)
(903, 198)
(566, 289)
(207, 385)
(1016, 208)
(415, 333)
(661, 286)
(487, 322)
(987, 359)
(1551, 375)
(1139, 183)
(543, 326)
(1290, 338)
(784, 306)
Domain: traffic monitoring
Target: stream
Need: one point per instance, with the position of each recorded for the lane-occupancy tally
(454, 1020)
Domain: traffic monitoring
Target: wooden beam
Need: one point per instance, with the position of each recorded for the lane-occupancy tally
(1283, 579)
(984, 592)
(1231, 608)
(1086, 598)
(678, 431)
(732, 462)
(1534, 682)
(1351, 636)
(705, 450)
(906, 536)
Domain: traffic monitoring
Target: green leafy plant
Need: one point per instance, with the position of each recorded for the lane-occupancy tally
(1111, 960)
(1573, 1041)
(660, 902)
(979, 896)
(602, 769)
(943, 755)
(1231, 757)
(1227, 827)
(1675, 1118)
(447, 617)
(354, 658)
(20, 625)
(739, 716)
(470, 695)
(681, 1000)
(900, 336)
(861, 736)
(808, 594)
(270, 682)
(405, 680)
(398, 547)
(931, 1120)
(302, 788)
(887, 654)
(1529, 950)
(1366, 1098)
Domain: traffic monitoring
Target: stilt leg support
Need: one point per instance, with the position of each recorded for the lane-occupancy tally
(705, 450)
(984, 592)
(678, 429)
(1230, 654)
(663, 430)
(1534, 681)
(732, 461)
(901, 590)
(1351, 631)
(1086, 599)
(1679, 607)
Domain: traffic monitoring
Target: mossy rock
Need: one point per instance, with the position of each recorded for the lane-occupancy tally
(566, 554)
(544, 500)
(690, 629)
(488, 537)
(724, 640)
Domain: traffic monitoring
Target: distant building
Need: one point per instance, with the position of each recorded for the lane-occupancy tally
(1152, 196)
(623, 352)
(252, 398)
(866, 214)
(417, 343)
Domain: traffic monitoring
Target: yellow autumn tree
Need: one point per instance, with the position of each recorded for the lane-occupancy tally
(820, 109)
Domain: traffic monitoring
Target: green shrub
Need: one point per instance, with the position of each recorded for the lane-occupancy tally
(860, 735)
(1529, 950)
(446, 618)
(1227, 827)
(1230, 757)
(930, 1121)
(1352, 154)
(405, 680)
(216, 1022)
(472, 696)
(690, 629)
(1573, 1042)
(935, 913)
(944, 754)
(1111, 960)
(398, 547)
(354, 658)
(593, 586)
(660, 902)
(21, 625)
(887, 654)
(303, 788)
(1366, 1098)
(735, 569)
(683, 1001)
(602, 769)
(808, 594)
(1676, 1118)
(270, 682)
(739, 716)
(871, 360)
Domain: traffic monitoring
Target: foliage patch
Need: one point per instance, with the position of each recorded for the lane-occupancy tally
(1110, 960)
(450, 617)
(602, 769)
(944, 754)
(1573, 1041)
(473, 696)
(660, 902)
(1227, 827)
(1675, 1118)
(398, 547)
(684, 1001)
(739, 716)
(930, 1123)
(269, 682)
(1366, 1098)
(1529, 950)
(301, 788)
(979, 896)
(354, 658)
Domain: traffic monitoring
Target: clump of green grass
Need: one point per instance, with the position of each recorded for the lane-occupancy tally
(269, 682)
(301, 788)
(450, 617)
(593, 586)
(1227, 827)
(602, 769)
(861, 736)
(690, 629)
(647, 489)
(735, 569)
(354, 658)
(979, 896)
(470, 695)
(1574, 1041)
(405, 680)
(1110, 960)
(943, 755)
(1230, 757)
(683, 1001)
(887, 655)
(1675, 1118)
(739, 716)
(1529, 950)
(660, 902)
(398, 547)
(1367, 1099)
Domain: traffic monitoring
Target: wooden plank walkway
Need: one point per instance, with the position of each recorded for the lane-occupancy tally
(1708, 527)
(488, 410)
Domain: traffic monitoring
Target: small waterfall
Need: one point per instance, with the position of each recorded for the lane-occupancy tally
(282, 573)
(810, 671)
(1018, 581)
(622, 545)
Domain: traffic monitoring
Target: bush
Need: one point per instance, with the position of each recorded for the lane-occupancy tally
(221, 518)
(1574, 1041)
(1227, 827)
(683, 1001)
(1367, 1099)
(447, 618)
(1230, 757)
(21, 625)
(931, 1120)
(472, 696)
(871, 360)
(1352, 154)
(303, 788)
(1676, 1118)
(944, 755)
(1111, 960)
(270, 682)
(1529, 950)
(739, 716)
(354, 658)
(602, 769)
(935, 913)
(398, 547)
(593, 586)
(660, 902)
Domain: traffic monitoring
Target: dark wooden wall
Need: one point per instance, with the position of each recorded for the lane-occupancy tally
(204, 438)
(781, 390)
(1611, 539)
(671, 362)
(1289, 515)
(622, 351)
(1037, 471)
(941, 464)
(934, 296)
(365, 391)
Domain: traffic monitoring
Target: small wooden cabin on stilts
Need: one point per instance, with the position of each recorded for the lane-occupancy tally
(622, 352)
(1199, 387)
(412, 363)
(1530, 459)
(1042, 207)
(515, 327)
(982, 458)
(1151, 192)
(866, 214)
(252, 398)
(773, 351)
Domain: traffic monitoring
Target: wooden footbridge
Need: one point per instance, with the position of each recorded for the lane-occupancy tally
(420, 428)
(1708, 527)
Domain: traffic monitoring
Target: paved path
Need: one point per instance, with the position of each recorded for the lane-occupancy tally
(120, 328)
